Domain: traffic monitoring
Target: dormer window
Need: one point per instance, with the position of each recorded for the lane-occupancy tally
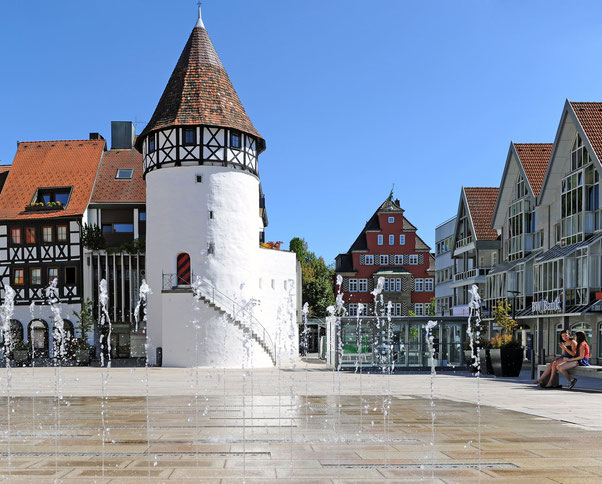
(235, 139)
(58, 196)
(124, 174)
(189, 136)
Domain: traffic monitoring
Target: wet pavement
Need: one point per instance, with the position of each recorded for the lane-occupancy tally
(303, 425)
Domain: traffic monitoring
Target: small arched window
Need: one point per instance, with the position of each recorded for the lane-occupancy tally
(183, 263)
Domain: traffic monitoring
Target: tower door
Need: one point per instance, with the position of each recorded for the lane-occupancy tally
(183, 269)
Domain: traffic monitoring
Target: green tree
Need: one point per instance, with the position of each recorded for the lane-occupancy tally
(317, 278)
(501, 315)
(431, 307)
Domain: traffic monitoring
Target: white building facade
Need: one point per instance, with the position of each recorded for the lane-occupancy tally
(444, 267)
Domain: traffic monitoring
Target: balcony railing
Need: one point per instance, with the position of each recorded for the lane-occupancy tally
(464, 242)
(173, 281)
(462, 276)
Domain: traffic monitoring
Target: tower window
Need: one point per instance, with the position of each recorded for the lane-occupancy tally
(211, 214)
(151, 143)
(199, 179)
(189, 136)
(234, 139)
(124, 173)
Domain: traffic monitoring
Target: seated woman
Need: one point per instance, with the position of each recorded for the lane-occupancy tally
(581, 359)
(568, 346)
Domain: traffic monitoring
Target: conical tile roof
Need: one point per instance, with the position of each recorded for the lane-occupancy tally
(199, 91)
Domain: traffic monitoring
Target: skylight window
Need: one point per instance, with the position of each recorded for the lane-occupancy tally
(124, 174)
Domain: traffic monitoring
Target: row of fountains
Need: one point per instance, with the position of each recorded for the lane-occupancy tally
(382, 346)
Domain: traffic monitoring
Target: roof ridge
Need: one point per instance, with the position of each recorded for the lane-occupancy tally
(64, 141)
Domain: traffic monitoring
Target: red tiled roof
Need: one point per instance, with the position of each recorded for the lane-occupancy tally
(46, 164)
(109, 189)
(590, 118)
(481, 203)
(199, 91)
(534, 157)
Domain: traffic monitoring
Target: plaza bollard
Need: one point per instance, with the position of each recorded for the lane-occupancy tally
(159, 356)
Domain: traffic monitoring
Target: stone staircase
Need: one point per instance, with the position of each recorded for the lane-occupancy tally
(260, 339)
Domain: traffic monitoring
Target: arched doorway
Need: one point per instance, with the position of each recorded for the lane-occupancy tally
(183, 263)
(38, 338)
(586, 328)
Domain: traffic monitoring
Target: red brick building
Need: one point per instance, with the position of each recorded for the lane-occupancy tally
(388, 247)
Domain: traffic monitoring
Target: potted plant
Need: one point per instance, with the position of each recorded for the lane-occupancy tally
(506, 352)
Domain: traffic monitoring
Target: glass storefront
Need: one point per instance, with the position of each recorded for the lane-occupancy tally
(368, 343)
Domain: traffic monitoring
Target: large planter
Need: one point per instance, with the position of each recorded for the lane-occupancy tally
(484, 361)
(506, 361)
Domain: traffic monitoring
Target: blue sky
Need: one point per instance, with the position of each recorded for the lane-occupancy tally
(351, 96)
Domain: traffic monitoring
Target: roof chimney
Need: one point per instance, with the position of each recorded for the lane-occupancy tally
(123, 135)
(96, 136)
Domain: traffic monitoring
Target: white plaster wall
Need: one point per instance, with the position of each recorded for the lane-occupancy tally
(178, 221)
(277, 309)
(214, 342)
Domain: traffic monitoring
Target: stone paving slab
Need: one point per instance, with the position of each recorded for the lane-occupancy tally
(294, 426)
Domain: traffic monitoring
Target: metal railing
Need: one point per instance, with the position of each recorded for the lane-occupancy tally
(463, 242)
(470, 274)
(173, 281)
(241, 315)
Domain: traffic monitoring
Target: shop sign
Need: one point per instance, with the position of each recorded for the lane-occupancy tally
(545, 306)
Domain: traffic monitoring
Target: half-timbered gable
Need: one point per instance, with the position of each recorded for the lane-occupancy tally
(42, 204)
(388, 247)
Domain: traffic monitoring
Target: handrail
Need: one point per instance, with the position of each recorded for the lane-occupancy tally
(223, 300)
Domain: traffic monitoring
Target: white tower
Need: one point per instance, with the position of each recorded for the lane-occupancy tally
(200, 154)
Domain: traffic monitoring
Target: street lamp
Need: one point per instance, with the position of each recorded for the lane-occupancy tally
(514, 294)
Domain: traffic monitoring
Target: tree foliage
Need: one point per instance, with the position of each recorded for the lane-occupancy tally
(501, 315)
(317, 276)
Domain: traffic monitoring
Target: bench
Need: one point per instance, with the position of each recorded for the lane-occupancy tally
(592, 371)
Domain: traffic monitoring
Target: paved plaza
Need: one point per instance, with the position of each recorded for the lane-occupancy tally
(308, 424)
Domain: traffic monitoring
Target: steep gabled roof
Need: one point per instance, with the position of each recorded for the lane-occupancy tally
(590, 118)
(199, 91)
(48, 164)
(534, 158)
(110, 190)
(481, 203)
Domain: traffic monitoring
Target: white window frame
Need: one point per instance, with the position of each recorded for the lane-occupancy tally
(419, 285)
(380, 260)
(398, 260)
(402, 239)
(391, 220)
(379, 239)
(362, 285)
(352, 309)
(369, 260)
(413, 259)
(429, 284)
(391, 239)
(419, 309)
(398, 285)
(397, 309)
(352, 285)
